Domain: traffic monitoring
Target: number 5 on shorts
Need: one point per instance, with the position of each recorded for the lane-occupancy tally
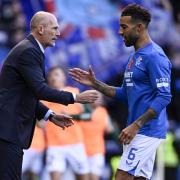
(132, 155)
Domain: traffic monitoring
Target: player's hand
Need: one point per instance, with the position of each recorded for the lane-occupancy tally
(89, 96)
(84, 77)
(128, 134)
(62, 120)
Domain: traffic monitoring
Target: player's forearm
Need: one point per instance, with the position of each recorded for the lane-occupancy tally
(107, 90)
(146, 117)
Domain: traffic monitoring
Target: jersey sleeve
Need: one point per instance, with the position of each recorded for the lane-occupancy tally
(121, 94)
(159, 69)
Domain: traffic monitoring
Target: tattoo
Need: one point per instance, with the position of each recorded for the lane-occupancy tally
(146, 117)
(107, 90)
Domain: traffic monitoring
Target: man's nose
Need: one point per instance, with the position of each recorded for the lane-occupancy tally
(120, 32)
(58, 32)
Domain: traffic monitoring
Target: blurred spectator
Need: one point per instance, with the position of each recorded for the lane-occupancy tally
(12, 22)
(170, 157)
(177, 143)
(176, 12)
(33, 157)
(64, 145)
(93, 132)
(174, 106)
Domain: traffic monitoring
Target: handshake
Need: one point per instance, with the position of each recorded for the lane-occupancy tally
(64, 121)
(89, 96)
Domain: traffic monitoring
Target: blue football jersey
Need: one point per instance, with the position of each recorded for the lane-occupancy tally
(146, 85)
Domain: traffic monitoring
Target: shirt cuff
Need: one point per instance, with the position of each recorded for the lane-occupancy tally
(74, 96)
(160, 103)
(46, 117)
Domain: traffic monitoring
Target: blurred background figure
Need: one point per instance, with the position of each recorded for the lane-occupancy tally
(93, 133)
(33, 158)
(89, 35)
(65, 147)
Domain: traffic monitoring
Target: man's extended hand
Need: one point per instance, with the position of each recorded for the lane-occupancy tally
(62, 120)
(128, 134)
(88, 78)
(84, 77)
(89, 96)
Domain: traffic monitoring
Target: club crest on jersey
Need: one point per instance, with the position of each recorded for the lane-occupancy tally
(138, 61)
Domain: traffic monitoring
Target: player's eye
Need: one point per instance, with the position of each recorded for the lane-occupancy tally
(55, 28)
(123, 27)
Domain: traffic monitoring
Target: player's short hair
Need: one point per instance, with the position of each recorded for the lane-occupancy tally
(53, 69)
(137, 13)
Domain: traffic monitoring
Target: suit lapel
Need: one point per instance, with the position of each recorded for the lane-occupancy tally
(32, 39)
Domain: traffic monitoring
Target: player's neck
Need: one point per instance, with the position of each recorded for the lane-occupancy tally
(142, 41)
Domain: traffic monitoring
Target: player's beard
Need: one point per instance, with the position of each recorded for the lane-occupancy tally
(130, 39)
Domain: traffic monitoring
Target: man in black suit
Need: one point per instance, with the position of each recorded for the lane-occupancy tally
(22, 85)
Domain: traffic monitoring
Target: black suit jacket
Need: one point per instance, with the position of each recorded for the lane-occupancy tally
(22, 85)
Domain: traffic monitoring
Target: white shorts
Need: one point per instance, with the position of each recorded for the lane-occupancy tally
(96, 164)
(139, 156)
(74, 155)
(32, 161)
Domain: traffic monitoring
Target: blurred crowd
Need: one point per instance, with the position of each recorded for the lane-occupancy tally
(80, 148)
(89, 35)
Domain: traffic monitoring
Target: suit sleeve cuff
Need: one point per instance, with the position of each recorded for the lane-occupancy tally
(46, 117)
(74, 96)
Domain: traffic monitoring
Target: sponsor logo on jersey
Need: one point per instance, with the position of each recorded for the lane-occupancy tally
(128, 74)
(128, 78)
(162, 82)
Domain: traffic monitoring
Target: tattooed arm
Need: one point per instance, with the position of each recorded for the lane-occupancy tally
(147, 116)
(88, 78)
(105, 89)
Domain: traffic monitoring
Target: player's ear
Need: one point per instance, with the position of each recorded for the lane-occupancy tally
(139, 27)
